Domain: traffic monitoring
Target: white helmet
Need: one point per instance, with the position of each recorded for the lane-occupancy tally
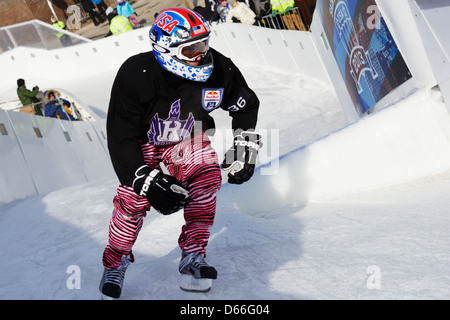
(179, 35)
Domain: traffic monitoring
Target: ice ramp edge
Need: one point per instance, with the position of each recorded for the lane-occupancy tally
(405, 142)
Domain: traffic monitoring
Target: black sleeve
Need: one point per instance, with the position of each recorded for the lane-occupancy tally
(243, 104)
(124, 125)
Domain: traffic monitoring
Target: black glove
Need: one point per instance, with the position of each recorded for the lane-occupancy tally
(240, 159)
(164, 192)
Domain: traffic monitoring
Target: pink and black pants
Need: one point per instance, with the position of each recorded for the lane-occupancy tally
(194, 163)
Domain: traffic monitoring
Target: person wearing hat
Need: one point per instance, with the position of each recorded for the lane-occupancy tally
(91, 9)
(101, 6)
(57, 107)
(28, 97)
(221, 10)
(125, 9)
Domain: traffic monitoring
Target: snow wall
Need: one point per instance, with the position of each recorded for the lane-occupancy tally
(40, 155)
(407, 141)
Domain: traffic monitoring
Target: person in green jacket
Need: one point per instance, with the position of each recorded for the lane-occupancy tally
(281, 6)
(120, 24)
(117, 24)
(28, 97)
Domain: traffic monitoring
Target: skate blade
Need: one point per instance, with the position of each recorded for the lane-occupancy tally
(105, 297)
(190, 284)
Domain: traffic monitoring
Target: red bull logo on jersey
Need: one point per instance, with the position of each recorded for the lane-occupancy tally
(211, 98)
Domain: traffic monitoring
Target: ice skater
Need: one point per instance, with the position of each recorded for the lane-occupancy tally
(159, 112)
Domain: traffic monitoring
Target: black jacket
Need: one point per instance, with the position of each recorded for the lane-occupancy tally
(151, 105)
(87, 5)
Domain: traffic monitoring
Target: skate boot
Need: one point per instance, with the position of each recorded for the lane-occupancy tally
(196, 274)
(112, 280)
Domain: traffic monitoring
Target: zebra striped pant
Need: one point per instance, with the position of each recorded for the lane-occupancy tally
(194, 163)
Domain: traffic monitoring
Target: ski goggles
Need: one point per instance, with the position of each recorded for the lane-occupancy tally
(191, 50)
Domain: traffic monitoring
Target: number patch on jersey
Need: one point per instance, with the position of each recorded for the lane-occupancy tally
(240, 104)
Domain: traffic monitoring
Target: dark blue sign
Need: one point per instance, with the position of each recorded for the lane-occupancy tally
(366, 54)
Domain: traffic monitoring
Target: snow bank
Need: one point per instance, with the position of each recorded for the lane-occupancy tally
(407, 141)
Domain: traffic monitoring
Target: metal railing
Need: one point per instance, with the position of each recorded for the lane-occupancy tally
(288, 20)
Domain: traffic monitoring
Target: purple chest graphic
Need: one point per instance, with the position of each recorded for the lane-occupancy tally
(171, 130)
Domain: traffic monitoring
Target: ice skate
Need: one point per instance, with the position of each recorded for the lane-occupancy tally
(195, 274)
(112, 280)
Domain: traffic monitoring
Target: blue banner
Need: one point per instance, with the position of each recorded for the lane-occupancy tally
(366, 54)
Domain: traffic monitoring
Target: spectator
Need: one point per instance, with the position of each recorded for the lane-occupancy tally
(221, 10)
(291, 19)
(240, 12)
(125, 9)
(90, 8)
(260, 7)
(57, 107)
(63, 37)
(205, 10)
(281, 6)
(190, 4)
(101, 6)
(117, 24)
(28, 98)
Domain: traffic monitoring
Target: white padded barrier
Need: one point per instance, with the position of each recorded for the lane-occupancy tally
(218, 42)
(100, 130)
(15, 180)
(275, 50)
(431, 17)
(286, 50)
(88, 150)
(51, 161)
(242, 45)
(40, 155)
(304, 52)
